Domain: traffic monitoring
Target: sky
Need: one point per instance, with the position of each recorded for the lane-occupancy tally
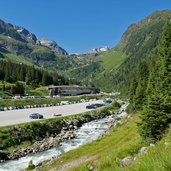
(79, 25)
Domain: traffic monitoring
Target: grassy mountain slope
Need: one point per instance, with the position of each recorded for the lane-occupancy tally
(138, 43)
(24, 52)
(110, 62)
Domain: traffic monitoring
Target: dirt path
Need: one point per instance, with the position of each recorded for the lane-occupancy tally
(74, 163)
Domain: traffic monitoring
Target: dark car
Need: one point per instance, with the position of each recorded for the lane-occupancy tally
(91, 106)
(107, 101)
(36, 116)
(99, 104)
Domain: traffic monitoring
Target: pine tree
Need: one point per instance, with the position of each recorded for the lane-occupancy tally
(45, 79)
(142, 77)
(138, 87)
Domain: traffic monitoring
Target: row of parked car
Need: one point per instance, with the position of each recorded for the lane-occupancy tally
(40, 106)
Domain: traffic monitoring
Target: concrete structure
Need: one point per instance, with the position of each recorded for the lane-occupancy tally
(71, 90)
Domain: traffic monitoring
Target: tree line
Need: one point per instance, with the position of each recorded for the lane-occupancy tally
(13, 72)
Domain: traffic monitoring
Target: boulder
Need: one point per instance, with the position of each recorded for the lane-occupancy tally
(126, 161)
(152, 145)
(166, 143)
(143, 150)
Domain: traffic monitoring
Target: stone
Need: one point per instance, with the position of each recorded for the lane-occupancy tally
(152, 145)
(90, 167)
(126, 161)
(135, 158)
(166, 143)
(143, 150)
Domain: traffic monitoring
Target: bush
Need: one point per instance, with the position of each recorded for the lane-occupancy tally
(31, 166)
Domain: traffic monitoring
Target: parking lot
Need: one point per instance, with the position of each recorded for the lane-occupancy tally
(10, 117)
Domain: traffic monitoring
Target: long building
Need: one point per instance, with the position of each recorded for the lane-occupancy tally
(71, 90)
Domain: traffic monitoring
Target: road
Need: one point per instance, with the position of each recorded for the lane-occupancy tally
(20, 116)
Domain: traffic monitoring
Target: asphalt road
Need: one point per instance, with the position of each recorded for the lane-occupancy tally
(20, 116)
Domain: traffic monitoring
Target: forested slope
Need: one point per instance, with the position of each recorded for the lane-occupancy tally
(138, 43)
(151, 89)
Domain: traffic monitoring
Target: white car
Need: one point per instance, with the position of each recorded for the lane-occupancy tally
(57, 114)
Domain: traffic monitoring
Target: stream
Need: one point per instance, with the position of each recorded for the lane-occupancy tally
(86, 133)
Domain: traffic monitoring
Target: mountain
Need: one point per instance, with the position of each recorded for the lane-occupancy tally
(138, 43)
(109, 70)
(19, 45)
(11, 31)
(23, 35)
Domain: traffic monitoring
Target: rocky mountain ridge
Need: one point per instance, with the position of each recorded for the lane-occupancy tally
(52, 45)
(21, 34)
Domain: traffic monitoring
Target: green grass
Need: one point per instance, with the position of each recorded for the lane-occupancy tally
(157, 158)
(119, 143)
(42, 91)
(112, 59)
(7, 92)
(17, 58)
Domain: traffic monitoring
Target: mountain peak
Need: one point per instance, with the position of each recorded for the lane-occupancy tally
(101, 49)
(52, 45)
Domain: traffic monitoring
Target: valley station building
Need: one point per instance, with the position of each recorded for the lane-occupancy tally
(71, 90)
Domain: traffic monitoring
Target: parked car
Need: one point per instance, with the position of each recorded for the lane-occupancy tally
(99, 104)
(35, 116)
(64, 102)
(107, 101)
(57, 114)
(91, 106)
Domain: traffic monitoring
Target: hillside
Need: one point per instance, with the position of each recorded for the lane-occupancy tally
(18, 45)
(137, 43)
(29, 53)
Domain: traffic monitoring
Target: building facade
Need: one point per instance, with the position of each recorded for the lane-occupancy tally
(71, 90)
